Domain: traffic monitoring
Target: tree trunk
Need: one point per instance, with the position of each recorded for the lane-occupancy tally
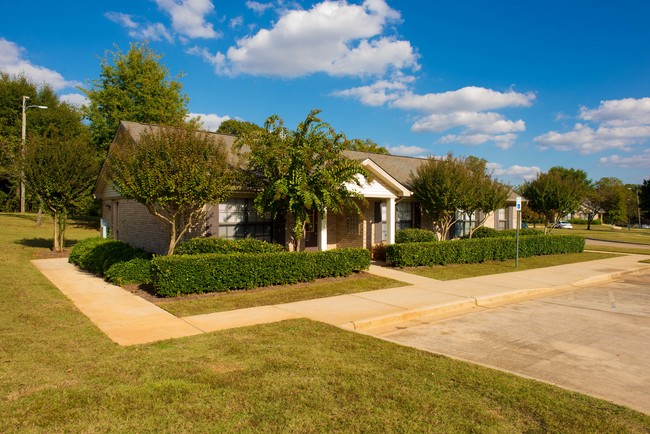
(39, 216)
(172, 239)
(55, 226)
(63, 216)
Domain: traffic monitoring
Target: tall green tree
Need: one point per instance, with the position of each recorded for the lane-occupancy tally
(450, 184)
(366, 145)
(556, 193)
(61, 170)
(644, 197)
(606, 197)
(298, 172)
(238, 128)
(133, 86)
(174, 172)
(59, 119)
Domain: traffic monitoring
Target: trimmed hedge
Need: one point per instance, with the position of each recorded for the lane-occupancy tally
(480, 250)
(191, 274)
(137, 270)
(415, 235)
(484, 232)
(116, 260)
(220, 245)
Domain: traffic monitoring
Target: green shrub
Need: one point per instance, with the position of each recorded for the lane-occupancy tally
(97, 255)
(415, 235)
(584, 222)
(136, 270)
(480, 250)
(224, 246)
(190, 274)
(484, 232)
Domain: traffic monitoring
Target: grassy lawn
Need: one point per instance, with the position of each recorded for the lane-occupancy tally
(632, 251)
(222, 301)
(606, 233)
(461, 271)
(61, 374)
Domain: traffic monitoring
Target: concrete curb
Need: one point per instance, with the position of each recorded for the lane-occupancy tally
(491, 301)
(448, 309)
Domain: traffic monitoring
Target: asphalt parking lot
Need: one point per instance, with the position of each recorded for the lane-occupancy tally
(594, 340)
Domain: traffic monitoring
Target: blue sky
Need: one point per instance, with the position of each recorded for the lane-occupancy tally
(525, 85)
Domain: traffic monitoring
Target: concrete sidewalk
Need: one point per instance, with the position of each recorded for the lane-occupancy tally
(128, 319)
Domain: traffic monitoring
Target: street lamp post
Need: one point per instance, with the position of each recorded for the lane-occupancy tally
(24, 137)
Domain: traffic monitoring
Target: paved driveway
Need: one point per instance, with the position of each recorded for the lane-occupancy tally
(595, 340)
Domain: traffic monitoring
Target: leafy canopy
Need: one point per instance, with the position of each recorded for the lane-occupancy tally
(59, 119)
(174, 172)
(450, 184)
(61, 171)
(133, 86)
(301, 171)
(556, 193)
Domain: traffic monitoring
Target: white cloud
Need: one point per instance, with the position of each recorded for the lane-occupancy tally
(258, 7)
(210, 121)
(124, 20)
(503, 141)
(515, 172)
(411, 151)
(12, 62)
(378, 93)
(617, 124)
(189, 17)
(462, 108)
(639, 161)
(333, 37)
(481, 123)
(148, 31)
(470, 98)
(619, 113)
(236, 22)
(75, 99)
(588, 140)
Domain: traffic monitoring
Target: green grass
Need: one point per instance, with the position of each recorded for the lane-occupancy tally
(606, 233)
(61, 374)
(222, 301)
(632, 251)
(462, 271)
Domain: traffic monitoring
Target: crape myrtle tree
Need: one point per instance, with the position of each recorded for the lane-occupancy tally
(298, 172)
(556, 193)
(133, 86)
(606, 197)
(447, 185)
(61, 171)
(174, 172)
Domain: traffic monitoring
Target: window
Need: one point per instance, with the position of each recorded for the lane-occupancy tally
(238, 219)
(352, 224)
(502, 219)
(404, 215)
(465, 222)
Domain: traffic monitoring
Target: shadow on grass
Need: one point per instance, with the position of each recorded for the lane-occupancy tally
(44, 243)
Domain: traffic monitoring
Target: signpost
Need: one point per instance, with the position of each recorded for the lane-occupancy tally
(518, 207)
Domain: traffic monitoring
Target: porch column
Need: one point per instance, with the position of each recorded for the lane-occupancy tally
(390, 220)
(322, 231)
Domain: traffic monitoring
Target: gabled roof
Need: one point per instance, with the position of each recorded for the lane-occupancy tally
(398, 167)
